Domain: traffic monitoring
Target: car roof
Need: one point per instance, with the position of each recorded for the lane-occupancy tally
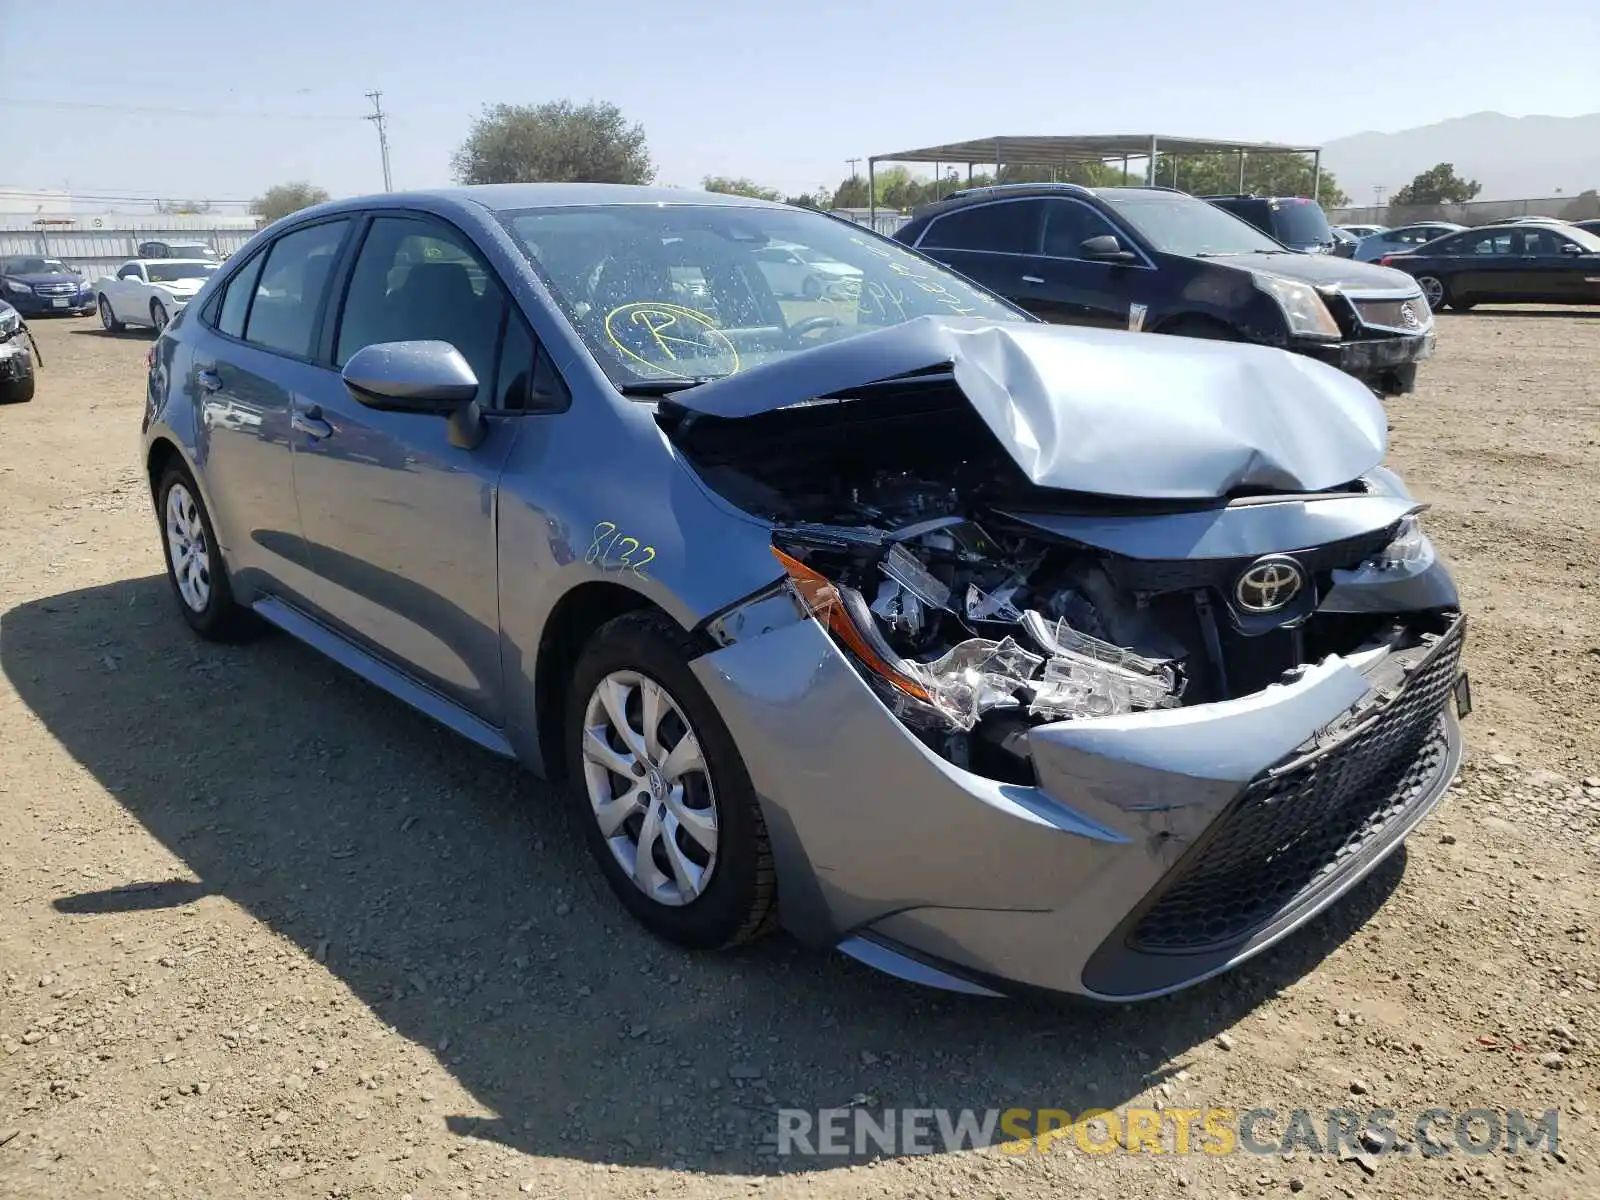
(502, 197)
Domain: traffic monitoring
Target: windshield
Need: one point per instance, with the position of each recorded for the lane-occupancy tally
(170, 272)
(36, 266)
(671, 292)
(1584, 238)
(1300, 223)
(1177, 224)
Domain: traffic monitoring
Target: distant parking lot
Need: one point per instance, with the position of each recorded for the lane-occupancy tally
(269, 932)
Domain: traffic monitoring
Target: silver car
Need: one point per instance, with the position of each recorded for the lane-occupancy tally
(999, 655)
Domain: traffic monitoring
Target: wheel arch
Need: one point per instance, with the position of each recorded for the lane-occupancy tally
(568, 628)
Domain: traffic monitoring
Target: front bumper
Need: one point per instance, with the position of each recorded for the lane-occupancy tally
(1156, 851)
(1386, 364)
(31, 304)
(16, 362)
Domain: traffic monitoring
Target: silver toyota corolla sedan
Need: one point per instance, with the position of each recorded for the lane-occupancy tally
(996, 654)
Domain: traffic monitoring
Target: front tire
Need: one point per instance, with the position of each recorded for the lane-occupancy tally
(108, 317)
(158, 316)
(194, 563)
(667, 806)
(17, 391)
(811, 289)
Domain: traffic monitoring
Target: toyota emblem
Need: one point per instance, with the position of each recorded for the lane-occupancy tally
(1269, 584)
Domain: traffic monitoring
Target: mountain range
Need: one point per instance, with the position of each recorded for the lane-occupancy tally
(1512, 157)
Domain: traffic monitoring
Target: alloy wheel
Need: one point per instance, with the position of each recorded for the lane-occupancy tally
(158, 315)
(188, 549)
(106, 317)
(1432, 291)
(649, 789)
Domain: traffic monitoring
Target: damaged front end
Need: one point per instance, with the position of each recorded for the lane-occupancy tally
(981, 605)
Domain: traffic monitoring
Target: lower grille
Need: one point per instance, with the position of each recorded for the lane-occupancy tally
(1295, 830)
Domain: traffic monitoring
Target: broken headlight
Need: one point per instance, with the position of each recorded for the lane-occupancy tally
(1408, 546)
(1302, 306)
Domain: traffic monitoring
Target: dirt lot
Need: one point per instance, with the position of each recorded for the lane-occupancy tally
(267, 931)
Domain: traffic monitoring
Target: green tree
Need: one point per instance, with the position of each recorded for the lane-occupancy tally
(1264, 175)
(284, 198)
(852, 193)
(1584, 206)
(1437, 185)
(739, 187)
(558, 142)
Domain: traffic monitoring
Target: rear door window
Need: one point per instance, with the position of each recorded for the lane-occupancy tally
(236, 300)
(1006, 227)
(291, 287)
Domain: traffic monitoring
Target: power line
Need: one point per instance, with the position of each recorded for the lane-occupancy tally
(148, 109)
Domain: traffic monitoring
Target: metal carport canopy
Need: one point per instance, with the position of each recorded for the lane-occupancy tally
(1061, 151)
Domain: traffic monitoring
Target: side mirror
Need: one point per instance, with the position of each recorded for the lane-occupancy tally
(1571, 248)
(419, 377)
(1105, 248)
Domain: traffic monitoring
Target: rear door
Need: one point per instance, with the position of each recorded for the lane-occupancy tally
(1061, 285)
(995, 243)
(1486, 265)
(400, 523)
(252, 366)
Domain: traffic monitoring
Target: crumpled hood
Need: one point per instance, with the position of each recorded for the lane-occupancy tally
(1103, 411)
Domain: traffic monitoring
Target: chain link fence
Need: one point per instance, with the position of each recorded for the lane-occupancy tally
(1474, 212)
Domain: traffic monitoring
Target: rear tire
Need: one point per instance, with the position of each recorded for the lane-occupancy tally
(1435, 291)
(195, 568)
(678, 891)
(17, 391)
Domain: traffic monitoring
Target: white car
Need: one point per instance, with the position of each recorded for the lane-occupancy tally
(150, 291)
(793, 270)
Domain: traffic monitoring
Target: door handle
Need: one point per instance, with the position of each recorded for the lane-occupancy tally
(309, 422)
(1032, 279)
(208, 380)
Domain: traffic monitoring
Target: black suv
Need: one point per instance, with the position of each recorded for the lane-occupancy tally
(1297, 222)
(1162, 260)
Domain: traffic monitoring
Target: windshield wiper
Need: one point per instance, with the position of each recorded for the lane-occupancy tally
(663, 387)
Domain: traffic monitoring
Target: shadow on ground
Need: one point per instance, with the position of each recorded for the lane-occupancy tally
(1570, 314)
(133, 333)
(450, 891)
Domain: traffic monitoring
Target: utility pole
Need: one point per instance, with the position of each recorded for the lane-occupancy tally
(852, 162)
(381, 119)
(1377, 194)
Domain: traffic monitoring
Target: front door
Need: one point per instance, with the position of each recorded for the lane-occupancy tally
(1066, 287)
(400, 523)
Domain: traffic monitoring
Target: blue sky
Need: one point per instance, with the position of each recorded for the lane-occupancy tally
(781, 92)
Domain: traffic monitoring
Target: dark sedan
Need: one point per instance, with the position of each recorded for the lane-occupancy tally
(38, 287)
(1499, 264)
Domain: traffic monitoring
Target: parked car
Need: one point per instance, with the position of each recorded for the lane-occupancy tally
(801, 271)
(1403, 239)
(1362, 231)
(150, 291)
(1526, 263)
(39, 287)
(1533, 221)
(1296, 221)
(1344, 244)
(19, 357)
(1588, 226)
(838, 665)
(1161, 260)
(185, 250)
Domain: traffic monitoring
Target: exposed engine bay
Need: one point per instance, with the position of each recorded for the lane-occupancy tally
(904, 527)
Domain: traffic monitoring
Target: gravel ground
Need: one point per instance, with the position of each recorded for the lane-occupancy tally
(267, 931)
